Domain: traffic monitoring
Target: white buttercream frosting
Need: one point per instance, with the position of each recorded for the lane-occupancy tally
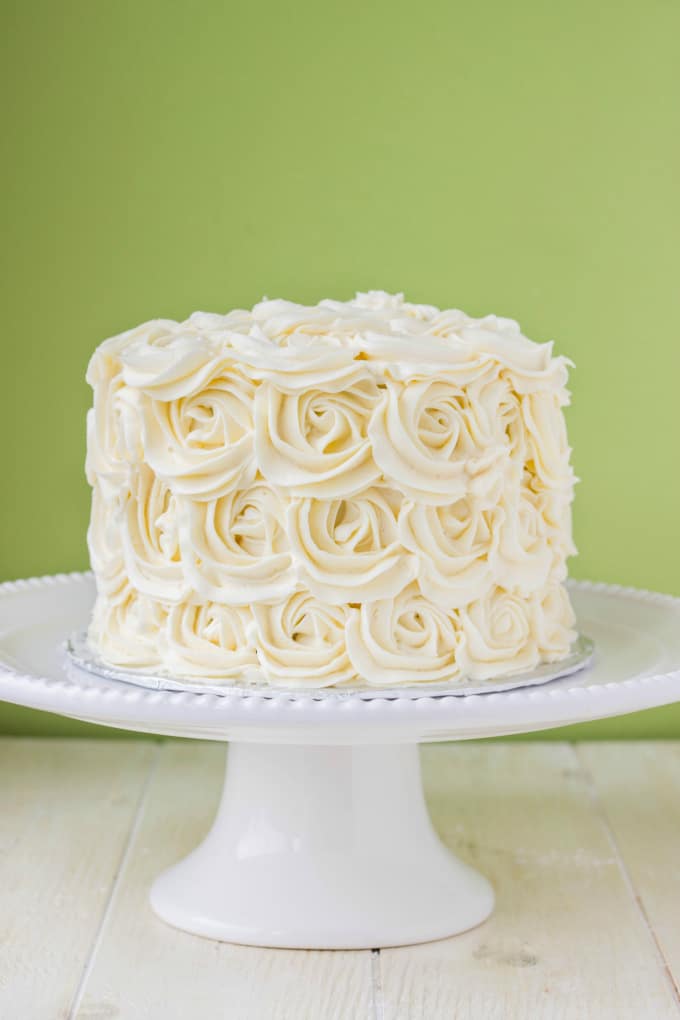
(367, 491)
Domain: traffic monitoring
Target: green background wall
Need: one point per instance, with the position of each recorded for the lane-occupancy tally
(521, 158)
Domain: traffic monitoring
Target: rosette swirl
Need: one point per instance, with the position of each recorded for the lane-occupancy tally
(113, 436)
(438, 441)
(315, 443)
(553, 623)
(105, 546)
(348, 550)
(168, 360)
(400, 358)
(498, 636)
(554, 506)
(547, 446)
(150, 539)
(301, 642)
(453, 544)
(235, 549)
(392, 306)
(208, 640)
(404, 640)
(127, 632)
(522, 557)
(202, 444)
(300, 362)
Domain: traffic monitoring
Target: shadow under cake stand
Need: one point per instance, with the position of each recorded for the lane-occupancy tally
(322, 838)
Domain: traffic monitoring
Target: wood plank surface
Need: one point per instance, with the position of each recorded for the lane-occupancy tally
(66, 808)
(638, 786)
(582, 845)
(567, 939)
(144, 970)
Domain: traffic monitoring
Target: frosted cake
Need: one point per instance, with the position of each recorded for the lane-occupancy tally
(367, 492)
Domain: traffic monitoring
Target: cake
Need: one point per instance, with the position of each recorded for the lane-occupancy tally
(369, 492)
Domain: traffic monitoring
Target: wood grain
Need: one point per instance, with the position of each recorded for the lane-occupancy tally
(638, 786)
(566, 940)
(145, 969)
(581, 844)
(66, 808)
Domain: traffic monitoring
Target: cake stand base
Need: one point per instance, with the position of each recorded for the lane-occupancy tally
(325, 848)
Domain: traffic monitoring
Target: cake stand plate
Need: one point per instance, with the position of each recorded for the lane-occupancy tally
(322, 838)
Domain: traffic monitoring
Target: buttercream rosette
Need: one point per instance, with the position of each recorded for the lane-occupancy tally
(346, 546)
(235, 549)
(364, 492)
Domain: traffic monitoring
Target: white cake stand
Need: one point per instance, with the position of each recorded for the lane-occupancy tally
(322, 838)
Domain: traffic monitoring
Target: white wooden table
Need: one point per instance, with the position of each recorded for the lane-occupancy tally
(581, 841)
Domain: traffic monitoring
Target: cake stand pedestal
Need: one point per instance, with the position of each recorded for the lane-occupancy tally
(322, 838)
(326, 847)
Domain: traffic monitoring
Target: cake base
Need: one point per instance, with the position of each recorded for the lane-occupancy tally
(85, 658)
(325, 848)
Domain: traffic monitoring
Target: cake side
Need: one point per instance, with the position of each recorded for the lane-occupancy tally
(367, 491)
